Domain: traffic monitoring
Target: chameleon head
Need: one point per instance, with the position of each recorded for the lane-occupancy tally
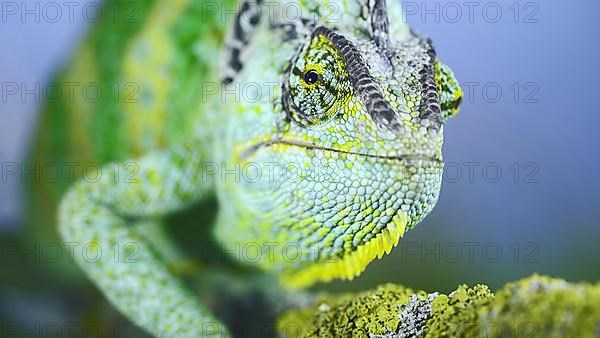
(344, 154)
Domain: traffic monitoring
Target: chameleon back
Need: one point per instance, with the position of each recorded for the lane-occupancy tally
(132, 93)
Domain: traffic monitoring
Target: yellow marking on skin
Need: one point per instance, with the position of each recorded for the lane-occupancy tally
(342, 213)
(153, 177)
(352, 263)
(83, 70)
(303, 224)
(147, 66)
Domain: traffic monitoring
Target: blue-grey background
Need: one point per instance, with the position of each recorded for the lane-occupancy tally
(531, 82)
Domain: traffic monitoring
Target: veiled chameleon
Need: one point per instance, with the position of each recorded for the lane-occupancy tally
(321, 138)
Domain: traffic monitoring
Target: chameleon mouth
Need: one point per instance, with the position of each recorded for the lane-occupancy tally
(301, 144)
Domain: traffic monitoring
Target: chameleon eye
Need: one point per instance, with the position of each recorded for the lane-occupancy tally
(311, 77)
(317, 85)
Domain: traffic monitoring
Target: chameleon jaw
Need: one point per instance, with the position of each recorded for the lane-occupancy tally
(352, 263)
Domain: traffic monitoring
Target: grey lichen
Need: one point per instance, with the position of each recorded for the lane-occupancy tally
(413, 317)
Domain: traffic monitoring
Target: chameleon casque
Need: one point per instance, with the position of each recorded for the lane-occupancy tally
(321, 136)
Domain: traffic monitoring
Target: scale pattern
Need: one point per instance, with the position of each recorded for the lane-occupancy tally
(323, 146)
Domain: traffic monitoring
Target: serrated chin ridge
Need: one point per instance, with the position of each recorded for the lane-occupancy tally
(353, 263)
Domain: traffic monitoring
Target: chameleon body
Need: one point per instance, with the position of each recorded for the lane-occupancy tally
(138, 56)
(321, 136)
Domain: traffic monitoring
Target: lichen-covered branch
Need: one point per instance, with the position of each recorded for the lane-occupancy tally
(537, 306)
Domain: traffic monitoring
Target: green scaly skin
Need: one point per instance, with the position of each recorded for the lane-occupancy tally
(333, 129)
(139, 54)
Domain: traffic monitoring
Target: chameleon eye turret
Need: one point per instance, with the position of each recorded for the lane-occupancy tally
(318, 84)
(449, 89)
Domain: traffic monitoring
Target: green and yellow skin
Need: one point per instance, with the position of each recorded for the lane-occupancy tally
(321, 138)
(140, 55)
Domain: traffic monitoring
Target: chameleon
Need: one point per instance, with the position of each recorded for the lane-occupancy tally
(320, 134)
